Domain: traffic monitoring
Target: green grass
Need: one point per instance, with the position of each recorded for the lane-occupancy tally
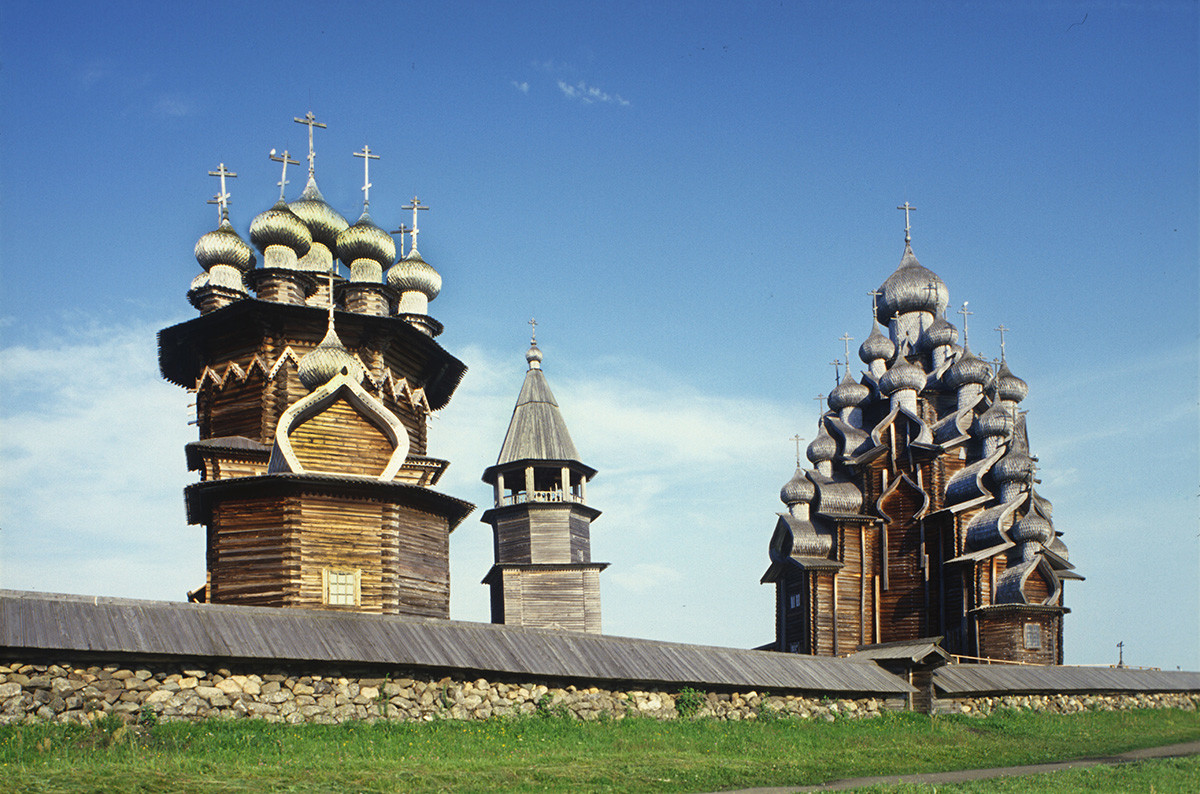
(1162, 776)
(550, 754)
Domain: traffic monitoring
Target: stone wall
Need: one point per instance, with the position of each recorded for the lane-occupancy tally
(1070, 704)
(73, 693)
(66, 692)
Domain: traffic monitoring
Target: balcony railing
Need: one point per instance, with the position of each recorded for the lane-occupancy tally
(539, 496)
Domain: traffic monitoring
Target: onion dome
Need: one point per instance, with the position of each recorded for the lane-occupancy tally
(326, 360)
(280, 226)
(904, 375)
(365, 240)
(995, 421)
(199, 281)
(822, 448)
(1015, 466)
(533, 356)
(967, 368)
(323, 221)
(847, 394)
(939, 334)
(877, 346)
(223, 246)
(414, 274)
(1032, 528)
(1008, 386)
(798, 489)
(908, 290)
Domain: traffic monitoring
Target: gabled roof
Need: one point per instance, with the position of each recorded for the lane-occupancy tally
(537, 430)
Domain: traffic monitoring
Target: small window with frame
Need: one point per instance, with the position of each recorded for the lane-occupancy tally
(342, 588)
(1033, 636)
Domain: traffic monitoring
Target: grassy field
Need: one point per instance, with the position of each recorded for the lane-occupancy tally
(553, 754)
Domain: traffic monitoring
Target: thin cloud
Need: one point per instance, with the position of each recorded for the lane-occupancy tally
(589, 94)
(172, 106)
(523, 86)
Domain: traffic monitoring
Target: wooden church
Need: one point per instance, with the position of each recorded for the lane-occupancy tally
(313, 397)
(920, 517)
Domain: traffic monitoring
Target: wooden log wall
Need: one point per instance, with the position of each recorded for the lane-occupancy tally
(904, 597)
(581, 538)
(423, 571)
(252, 558)
(345, 535)
(340, 440)
(851, 586)
(1002, 636)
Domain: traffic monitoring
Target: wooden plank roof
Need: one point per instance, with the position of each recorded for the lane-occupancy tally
(979, 679)
(49, 622)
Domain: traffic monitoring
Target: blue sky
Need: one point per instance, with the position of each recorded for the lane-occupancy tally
(693, 200)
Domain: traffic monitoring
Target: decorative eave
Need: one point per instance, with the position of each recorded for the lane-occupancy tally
(499, 568)
(489, 474)
(1032, 609)
(232, 447)
(201, 495)
(496, 512)
(185, 350)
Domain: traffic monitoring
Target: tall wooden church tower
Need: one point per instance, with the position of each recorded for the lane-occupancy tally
(315, 487)
(920, 518)
(544, 576)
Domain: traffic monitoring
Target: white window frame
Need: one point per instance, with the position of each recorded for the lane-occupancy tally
(341, 587)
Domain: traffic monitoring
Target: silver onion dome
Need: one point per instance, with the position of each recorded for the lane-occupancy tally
(822, 448)
(534, 356)
(323, 221)
(967, 368)
(798, 489)
(223, 246)
(1008, 386)
(365, 240)
(326, 360)
(939, 334)
(995, 421)
(904, 375)
(1015, 466)
(847, 394)
(414, 274)
(199, 281)
(280, 226)
(1032, 528)
(876, 347)
(912, 288)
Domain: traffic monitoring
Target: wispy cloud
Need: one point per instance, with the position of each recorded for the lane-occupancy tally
(523, 86)
(172, 105)
(589, 94)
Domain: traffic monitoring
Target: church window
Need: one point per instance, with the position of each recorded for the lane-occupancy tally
(1033, 637)
(342, 588)
(795, 601)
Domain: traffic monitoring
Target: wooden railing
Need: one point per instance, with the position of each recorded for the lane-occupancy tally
(539, 496)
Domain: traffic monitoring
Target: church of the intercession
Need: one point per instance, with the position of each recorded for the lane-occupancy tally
(920, 518)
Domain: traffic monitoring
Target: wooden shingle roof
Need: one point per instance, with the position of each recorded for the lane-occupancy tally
(958, 680)
(46, 624)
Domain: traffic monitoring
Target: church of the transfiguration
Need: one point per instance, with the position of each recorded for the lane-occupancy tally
(312, 402)
(920, 518)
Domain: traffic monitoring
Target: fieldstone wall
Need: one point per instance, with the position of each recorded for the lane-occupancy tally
(1070, 704)
(68, 693)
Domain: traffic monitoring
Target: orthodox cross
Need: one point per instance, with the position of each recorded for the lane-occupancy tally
(403, 230)
(414, 206)
(532, 331)
(367, 157)
(847, 339)
(874, 303)
(837, 372)
(1001, 328)
(331, 299)
(222, 198)
(311, 121)
(286, 160)
(907, 227)
(1121, 653)
(819, 398)
(965, 314)
(797, 439)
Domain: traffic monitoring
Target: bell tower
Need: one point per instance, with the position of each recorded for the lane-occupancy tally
(544, 576)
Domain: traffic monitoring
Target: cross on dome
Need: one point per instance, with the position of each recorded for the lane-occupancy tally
(415, 206)
(797, 439)
(847, 339)
(837, 371)
(222, 198)
(286, 160)
(965, 314)
(1002, 328)
(403, 230)
(874, 303)
(532, 331)
(907, 226)
(367, 157)
(311, 121)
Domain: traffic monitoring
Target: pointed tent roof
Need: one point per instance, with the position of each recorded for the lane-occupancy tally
(537, 430)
